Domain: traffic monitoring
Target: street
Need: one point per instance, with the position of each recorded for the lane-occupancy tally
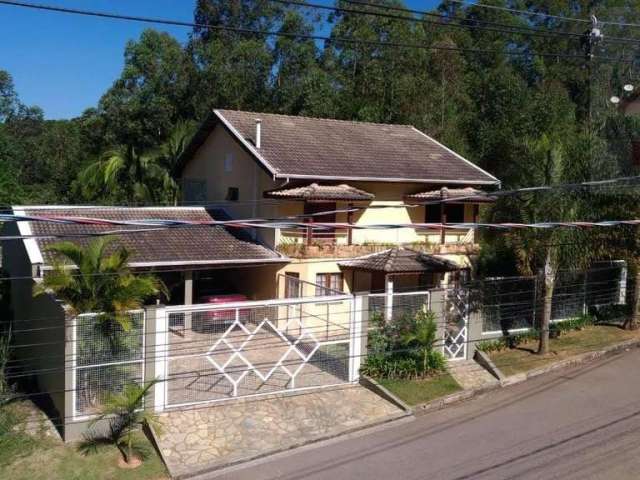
(580, 423)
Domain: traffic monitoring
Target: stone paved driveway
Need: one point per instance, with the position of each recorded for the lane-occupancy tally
(205, 438)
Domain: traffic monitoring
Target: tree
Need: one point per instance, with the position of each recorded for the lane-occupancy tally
(422, 337)
(101, 282)
(549, 162)
(151, 95)
(125, 414)
(125, 174)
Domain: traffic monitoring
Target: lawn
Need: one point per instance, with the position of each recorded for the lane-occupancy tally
(25, 457)
(414, 392)
(572, 343)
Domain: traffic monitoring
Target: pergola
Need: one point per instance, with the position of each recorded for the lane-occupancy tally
(446, 195)
(322, 196)
(398, 261)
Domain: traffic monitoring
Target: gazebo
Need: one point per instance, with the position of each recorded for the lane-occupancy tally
(387, 265)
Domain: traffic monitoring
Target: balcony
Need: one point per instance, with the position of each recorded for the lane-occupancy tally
(336, 244)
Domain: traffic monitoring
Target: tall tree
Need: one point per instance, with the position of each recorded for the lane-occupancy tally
(151, 95)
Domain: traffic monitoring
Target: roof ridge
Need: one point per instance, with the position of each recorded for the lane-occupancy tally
(306, 117)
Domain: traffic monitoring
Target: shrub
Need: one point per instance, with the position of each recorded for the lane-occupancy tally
(611, 313)
(403, 348)
(488, 346)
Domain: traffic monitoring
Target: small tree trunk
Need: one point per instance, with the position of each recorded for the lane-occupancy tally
(549, 283)
(633, 322)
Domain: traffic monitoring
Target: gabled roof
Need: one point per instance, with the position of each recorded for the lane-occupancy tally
(318, 193)
(462, 195)
(191, 245)
(400, 260)
(325, 149)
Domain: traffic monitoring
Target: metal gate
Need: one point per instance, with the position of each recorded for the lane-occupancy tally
(217, 352)
(456, 323)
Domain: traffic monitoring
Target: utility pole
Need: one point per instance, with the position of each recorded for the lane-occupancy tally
(592, 37)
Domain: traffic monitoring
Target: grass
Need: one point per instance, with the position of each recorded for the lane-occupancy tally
(24, 457)
(572, 343)
(415, 392)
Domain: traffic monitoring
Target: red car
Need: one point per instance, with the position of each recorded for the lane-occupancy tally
(223, 316)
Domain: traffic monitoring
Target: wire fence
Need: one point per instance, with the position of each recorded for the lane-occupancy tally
(516, 303)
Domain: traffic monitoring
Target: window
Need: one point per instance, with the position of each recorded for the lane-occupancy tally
(328, 284)
(453, 211)
(194, 190)
(233, 194)
(228, 162)
(292, 285)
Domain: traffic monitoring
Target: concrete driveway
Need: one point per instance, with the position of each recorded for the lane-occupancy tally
(573, 424)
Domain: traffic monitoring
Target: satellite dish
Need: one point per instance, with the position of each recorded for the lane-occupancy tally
(614, 99)
(628, 87)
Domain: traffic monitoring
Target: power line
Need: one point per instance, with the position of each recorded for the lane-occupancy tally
(266, 33)
(473, 26)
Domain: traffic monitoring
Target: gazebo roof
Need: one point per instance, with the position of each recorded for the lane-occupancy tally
(455, 195)
(400, 260)
(316, 192)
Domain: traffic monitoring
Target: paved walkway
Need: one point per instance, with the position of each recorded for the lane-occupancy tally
(470, 375)
(205, 438)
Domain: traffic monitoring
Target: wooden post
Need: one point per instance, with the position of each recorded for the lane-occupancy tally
(350, 222)
(309, 231)
(443, 215)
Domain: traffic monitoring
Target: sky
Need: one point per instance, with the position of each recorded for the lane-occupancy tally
(64, 63)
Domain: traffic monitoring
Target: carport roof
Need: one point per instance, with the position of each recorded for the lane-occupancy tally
(197, 245)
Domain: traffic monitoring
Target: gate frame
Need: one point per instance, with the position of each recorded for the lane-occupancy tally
(162, 339)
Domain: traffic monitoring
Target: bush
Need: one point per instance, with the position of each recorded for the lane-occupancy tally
(404, 348)
(488, 346)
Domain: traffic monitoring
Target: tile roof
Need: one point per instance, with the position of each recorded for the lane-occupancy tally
(196, 245)
(318, 148)
(400, 260)
(321, 192)
(468, 194)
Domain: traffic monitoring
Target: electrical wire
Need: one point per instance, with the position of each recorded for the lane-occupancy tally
(266, 33)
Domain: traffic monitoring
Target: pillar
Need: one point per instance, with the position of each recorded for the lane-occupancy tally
(388, 304)
(188, 297)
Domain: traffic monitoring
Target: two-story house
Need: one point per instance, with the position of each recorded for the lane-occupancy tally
(307, 172)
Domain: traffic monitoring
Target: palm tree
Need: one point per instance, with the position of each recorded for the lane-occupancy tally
(423, 336)
(101, 282)
(127, 173)
(548, 162)
(125, 414)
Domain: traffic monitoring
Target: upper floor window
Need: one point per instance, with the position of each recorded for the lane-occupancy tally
(233, 194)
(228, 162)
(194, 190)
(453, 211)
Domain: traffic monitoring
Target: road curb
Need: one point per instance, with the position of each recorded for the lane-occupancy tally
(571, 362)
(454, 398)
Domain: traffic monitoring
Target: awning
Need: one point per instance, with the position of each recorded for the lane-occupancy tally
(400, 260)
(321, 193)
(454, 195)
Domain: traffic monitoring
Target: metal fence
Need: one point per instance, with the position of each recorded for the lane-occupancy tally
(105, 359)
(515, 303)
(217, 352)
(398, 304)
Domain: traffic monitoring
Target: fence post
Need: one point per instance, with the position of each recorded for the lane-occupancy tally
(358, 334)
(622, 288)
(156, 351)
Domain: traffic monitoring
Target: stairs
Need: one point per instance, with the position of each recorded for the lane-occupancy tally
(470, 375)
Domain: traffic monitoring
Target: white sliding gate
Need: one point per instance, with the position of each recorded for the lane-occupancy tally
(217, 352)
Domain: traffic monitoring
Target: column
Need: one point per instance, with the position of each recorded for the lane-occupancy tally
(388, 304)
(188, 297)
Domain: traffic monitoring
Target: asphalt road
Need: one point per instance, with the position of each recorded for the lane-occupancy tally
(581, 423)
